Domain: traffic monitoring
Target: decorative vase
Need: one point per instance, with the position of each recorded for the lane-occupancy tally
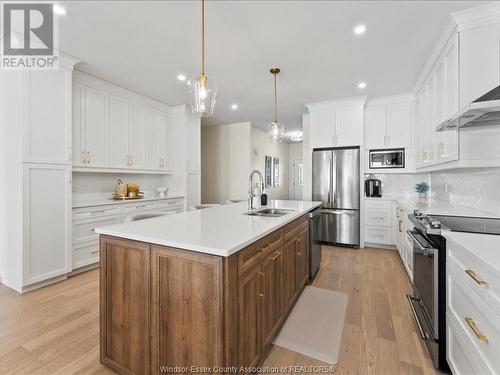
(422, 196)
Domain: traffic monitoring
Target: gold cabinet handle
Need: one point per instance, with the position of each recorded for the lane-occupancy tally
(276, 255)
(477, 332)
(474, 277)
(88, 157)
(261, 295)
(400, 230)
(94, 252)
(84, 157)
(299, 254)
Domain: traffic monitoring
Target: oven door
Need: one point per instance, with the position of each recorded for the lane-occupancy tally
(424, 302)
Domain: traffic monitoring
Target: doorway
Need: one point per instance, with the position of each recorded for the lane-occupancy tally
(297, 179)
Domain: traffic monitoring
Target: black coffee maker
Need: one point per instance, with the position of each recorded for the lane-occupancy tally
(373, 188)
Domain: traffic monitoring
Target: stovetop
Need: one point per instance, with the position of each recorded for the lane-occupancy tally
(469, 224)
(433, 224)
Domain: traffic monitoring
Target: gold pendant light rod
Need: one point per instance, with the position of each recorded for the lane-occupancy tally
(202, 37)
(274, 72)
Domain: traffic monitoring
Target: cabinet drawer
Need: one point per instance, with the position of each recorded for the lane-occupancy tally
(169, 206)
(249, 257)
(378, 217)
(96, 211)
(291, 229)
(84, 255)
(381, 235)
(464, 303)
(83, 230)
(372, 203)
(143, 206)
(478, 273)
(462, 356)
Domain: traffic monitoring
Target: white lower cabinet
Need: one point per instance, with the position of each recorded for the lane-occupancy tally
(473, 313)
(378, 226)
(47, 213)
(85, 219)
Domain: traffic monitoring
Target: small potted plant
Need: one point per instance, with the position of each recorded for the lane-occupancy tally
(422, 188)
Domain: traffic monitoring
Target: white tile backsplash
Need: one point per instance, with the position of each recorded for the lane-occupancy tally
(400, 185)
(89, 186)
(477, 188)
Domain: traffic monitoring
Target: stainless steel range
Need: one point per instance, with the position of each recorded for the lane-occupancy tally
(428, 302)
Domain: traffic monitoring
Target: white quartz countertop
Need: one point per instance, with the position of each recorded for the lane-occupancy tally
(220, 230)
(484, 246)
(436, 207)
(106, 201)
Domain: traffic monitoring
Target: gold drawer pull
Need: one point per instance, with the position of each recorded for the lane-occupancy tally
(477, 332)
(261, 295)
(474, 277)
(94, 252)
(299, 254)
(276, 255)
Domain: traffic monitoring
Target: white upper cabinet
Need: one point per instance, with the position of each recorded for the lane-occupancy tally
(388, 125)
(78, 128)
(399, 120)
(47, 121)
(137, 135)
(168, 141)
(96, 127)
(322, 128)
(118, 132)
(376, 127)
(114, 128)
(155, 157)
(479, 62)
(337, 123)
(451, 92)
(349, 124)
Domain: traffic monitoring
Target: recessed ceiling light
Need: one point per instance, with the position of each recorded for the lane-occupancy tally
(181, 77)
(234, 106)
(360, 29)
(59, 10)
(362, 85)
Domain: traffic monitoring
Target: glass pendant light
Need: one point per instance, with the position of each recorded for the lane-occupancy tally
(202, 89)
(275, 130)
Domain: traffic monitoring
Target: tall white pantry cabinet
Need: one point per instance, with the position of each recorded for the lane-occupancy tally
(36, 146)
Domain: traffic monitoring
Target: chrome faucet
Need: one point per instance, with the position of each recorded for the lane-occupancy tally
(250, 191)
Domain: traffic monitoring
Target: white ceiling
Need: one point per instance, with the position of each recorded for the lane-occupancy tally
(144, 45)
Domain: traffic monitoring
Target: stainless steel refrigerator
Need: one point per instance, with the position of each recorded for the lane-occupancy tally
(335, 182)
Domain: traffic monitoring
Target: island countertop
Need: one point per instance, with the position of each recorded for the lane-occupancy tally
(220, 230)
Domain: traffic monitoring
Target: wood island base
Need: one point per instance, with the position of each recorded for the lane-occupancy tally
(165, 307)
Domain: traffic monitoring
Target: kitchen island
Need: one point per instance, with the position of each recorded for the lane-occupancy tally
(207, 288)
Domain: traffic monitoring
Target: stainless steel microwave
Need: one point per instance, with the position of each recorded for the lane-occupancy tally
(388, 158)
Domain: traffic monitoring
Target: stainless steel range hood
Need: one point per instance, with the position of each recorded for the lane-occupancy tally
(484, 111)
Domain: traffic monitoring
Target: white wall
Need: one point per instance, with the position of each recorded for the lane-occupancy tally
(225, 162)
(263, 146)
(477, 188)
(307, 153)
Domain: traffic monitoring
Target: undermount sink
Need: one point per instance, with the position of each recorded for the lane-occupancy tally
(270, 212)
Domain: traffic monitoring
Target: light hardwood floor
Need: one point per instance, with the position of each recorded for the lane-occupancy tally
(54, 330)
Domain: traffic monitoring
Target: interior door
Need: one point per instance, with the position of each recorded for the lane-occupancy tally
(322, 176)
(346, 179)
(297, 179)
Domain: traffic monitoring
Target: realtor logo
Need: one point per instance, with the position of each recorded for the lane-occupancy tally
(28, 36)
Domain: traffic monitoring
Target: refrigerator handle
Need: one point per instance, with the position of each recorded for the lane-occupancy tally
(333, 187)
